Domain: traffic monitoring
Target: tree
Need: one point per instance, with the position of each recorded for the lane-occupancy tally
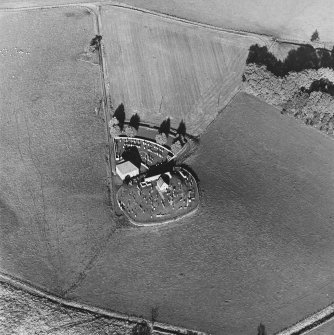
(135, 121)
(261, 330)
(315, 36)
(130, 131)
(141, 329)
(95, 42)
(176, 147)
(115, 131)
(113, 122)
(161, 139)
(181, 130)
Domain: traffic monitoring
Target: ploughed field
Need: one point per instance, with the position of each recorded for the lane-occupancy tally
(259, 249)
(54, 204)
(159, 67)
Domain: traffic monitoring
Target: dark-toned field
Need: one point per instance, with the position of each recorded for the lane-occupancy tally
(54, 204)
(258, 250)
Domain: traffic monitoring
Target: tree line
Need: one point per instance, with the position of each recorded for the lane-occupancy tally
(322, 85)
(305, 57)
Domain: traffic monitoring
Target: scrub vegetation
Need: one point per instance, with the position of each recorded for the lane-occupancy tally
(301, 85)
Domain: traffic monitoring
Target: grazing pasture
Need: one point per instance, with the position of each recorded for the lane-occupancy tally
(260, 247)
(53, 197)
(160, 67)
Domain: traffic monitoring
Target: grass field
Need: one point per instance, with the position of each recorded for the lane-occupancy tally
(158, 67)
(260, 246)
(54, 203)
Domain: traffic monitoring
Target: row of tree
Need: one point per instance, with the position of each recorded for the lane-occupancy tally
(163, 133)
(117, 127)
(116, 124)
(305, 57)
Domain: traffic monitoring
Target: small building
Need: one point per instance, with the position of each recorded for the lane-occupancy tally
(126, 169)
(163, 182)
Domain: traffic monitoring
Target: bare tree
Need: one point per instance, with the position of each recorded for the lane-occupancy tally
(95, 42)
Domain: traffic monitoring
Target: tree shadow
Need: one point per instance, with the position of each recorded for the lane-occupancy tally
(120, 115)
(181, 130)
(135, 121)
(165, 127)
(132, 154)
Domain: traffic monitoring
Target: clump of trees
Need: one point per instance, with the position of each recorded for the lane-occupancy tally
(315, 36)
(95, 43)
(117, 123)
(307, 95)
(305, 57)
(321, 85)
(142, 328)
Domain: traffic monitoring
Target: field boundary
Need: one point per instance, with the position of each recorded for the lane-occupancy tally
(241, 32)
(311, 322)
(38, 292)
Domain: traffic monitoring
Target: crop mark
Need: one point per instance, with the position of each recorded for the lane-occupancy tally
(22, 159)
(42, 226)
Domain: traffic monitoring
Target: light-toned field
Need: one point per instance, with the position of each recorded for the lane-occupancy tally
(294, 19)
(260, 247)
(159, 67)
(54, 204)
(25, 314)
